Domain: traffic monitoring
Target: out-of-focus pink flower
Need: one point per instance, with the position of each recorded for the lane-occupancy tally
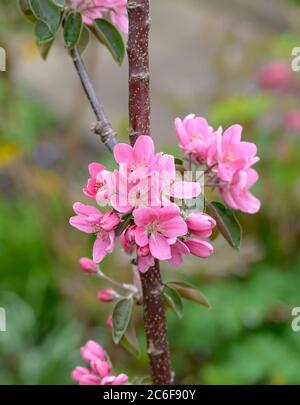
(195, 136)
(291, 121)
(100, 369)
(109, 322)
(90, 220)
(88, 266)
(200, 224)
(199, 248)
(231, 153)
(92, 351)
(158, 228)
(277, 75)
(112, 380)
(93, 9)
(237, 194)
(107, 295)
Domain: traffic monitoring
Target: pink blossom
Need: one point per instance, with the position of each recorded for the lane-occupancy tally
(99, 371)
(90, 220)
(97, 183)
(100, 367)
(158, 228)
(112, 380)
(109, 321)
(107, 295)
(177, 250)
(199, 248)
(195, 136)
(237, 194)
(92, 351)
(140, 158)
(277, 75)
(231, 154)
(79, 372)
(145, 259)
(127, 239)
(93, 9)
(200, 224)
(88, 266)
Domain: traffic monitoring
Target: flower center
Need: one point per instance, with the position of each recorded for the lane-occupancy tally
(152, 228)
(196, 136)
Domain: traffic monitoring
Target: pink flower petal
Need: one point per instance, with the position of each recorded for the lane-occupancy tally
(159, 247)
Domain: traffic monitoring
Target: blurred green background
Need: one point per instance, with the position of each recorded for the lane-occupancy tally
(207, 61)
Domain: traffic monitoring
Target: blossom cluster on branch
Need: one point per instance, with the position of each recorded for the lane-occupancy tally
(92, 9)
(100, 367)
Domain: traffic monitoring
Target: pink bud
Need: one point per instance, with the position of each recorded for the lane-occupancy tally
(112, 380)
(109, 321)
(79, 372)
(90, 379)
(88, 266)
(101, 368)
(143, 251)
(107, 295)
(92, 351)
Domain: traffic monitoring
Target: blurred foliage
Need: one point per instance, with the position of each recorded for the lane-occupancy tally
(245, 338)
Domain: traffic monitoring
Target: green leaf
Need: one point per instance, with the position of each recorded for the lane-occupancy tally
(84, 40)
(47, 12)
(120, 318)
(173, 300)
(44, 38)
(129, 341)
(59, 3)
(73, 30)
(227, 223)
(108, 35)
(26, 10)
(189, 292)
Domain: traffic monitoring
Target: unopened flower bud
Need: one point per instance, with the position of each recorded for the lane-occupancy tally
(107, 295)
(88, 266)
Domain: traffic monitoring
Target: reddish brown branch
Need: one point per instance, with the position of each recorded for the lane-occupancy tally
(139, 114)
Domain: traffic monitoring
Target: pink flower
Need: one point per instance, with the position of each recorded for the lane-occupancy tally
(200, 224)
(88, 266)
(100, 369)
(158, 228)
(127, 239)
(97, 183)
(199, 248)
(195, 136)
(92, 351)
(107, 295)
(112, 380)
(90, 220)
(79, 372)
(276, 75)
(145, 259)
(109, 321)
(292, 121)
(237, 194)
(140, 158)
(232, 154)
(93, 9)
(177, 250)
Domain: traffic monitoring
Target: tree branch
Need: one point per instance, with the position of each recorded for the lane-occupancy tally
(103, 127)
(139, 114)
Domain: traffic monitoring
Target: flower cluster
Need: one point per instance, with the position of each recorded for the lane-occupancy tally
(92, 9)
(142, 195)
(100, 368)
(227, 160)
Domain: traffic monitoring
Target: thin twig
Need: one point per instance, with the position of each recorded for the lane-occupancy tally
(103, 127)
